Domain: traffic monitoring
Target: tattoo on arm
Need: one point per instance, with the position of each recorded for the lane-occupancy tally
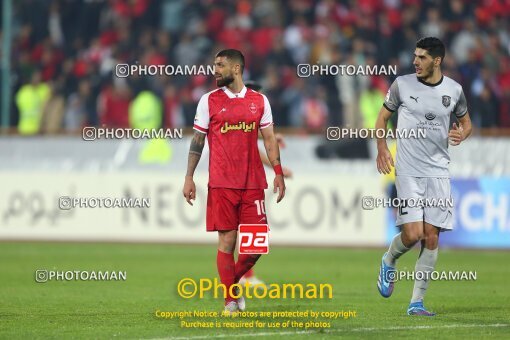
(273, 152)
(197, 143)
(195, 151)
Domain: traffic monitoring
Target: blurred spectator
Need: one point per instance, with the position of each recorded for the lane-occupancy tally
(370, 104)
(146, 112)
(296, 37)
(80, 108)
(464, 41)
(53, 113)
(31, 100)
(113, 105)
(172, 109)
(433, 26)
(315, 110)
(485, 110)
(292, 99)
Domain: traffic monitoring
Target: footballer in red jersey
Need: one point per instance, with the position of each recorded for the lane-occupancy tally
(231, 117)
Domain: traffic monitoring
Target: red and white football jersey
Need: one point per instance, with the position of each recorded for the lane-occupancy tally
(231, 122)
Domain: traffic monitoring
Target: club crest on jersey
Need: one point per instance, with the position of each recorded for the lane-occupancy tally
(430, 116)
(253, 108)
(446, 101)
(241, 126)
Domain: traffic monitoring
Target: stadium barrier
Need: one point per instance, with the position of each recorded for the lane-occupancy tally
(317, 210)
(481, 214)
(320, 207)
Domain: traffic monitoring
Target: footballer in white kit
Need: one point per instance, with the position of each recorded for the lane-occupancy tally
(425, 101)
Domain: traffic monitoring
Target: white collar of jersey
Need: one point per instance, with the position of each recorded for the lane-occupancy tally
(234, 95)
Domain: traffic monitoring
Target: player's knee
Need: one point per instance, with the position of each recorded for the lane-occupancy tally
(227, 241)
(226, 247)
(416, 237)
(413, 236)
(431, 240)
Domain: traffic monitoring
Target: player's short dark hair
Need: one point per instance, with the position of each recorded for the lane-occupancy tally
(233, 55)
(434, 47)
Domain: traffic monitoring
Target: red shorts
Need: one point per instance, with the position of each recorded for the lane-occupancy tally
(227, 208)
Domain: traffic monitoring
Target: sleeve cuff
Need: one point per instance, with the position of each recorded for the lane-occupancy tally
(263, 126)
(200, 129)
(387, 108)
(462, 115)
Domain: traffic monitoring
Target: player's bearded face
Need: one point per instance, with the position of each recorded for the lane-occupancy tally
(427, 69)
(224, 79)
(423, 64)
(223, 72)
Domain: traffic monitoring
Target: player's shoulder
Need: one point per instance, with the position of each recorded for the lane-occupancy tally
(214, 92)
(406, 79)
(451, 83)
(452, 88)
(250, 93)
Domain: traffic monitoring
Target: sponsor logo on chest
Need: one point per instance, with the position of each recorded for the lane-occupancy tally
(241, 126)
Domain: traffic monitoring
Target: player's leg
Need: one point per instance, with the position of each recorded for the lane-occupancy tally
(244, 263)
(425, 265)
(226, 265)
(252, 211)
(410, 218)
(410, 234)
(437, 218)
(222, 206)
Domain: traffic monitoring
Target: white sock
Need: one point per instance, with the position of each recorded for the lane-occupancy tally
(425, 264)
(397, 249)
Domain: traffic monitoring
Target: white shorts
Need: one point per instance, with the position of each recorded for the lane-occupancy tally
(434, 194)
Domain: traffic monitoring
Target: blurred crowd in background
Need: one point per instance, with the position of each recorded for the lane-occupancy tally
(64, 55)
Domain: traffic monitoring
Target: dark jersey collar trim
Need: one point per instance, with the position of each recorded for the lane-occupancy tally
(429, 84)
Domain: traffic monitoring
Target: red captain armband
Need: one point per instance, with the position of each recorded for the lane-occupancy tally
(278, 169)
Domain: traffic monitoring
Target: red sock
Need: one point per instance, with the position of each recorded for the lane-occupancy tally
(226, 269)
(249, 273)
(244, 263)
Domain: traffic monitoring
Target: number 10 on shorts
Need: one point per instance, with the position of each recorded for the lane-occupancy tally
(253, 239)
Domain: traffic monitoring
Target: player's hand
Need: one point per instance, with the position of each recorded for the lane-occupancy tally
(287, 173)
(384, 161)
(279, 184)
(455, 135)
(280, 140)
(189, 191)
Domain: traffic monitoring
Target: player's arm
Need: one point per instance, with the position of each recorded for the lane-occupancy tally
(384, 159)
(195, 152)
(465, 124)
(273, 154)
(287, 173)
(458, 133)
(391, 103)
(200, 126)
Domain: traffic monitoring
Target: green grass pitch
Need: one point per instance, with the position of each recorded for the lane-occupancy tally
(117, 309)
